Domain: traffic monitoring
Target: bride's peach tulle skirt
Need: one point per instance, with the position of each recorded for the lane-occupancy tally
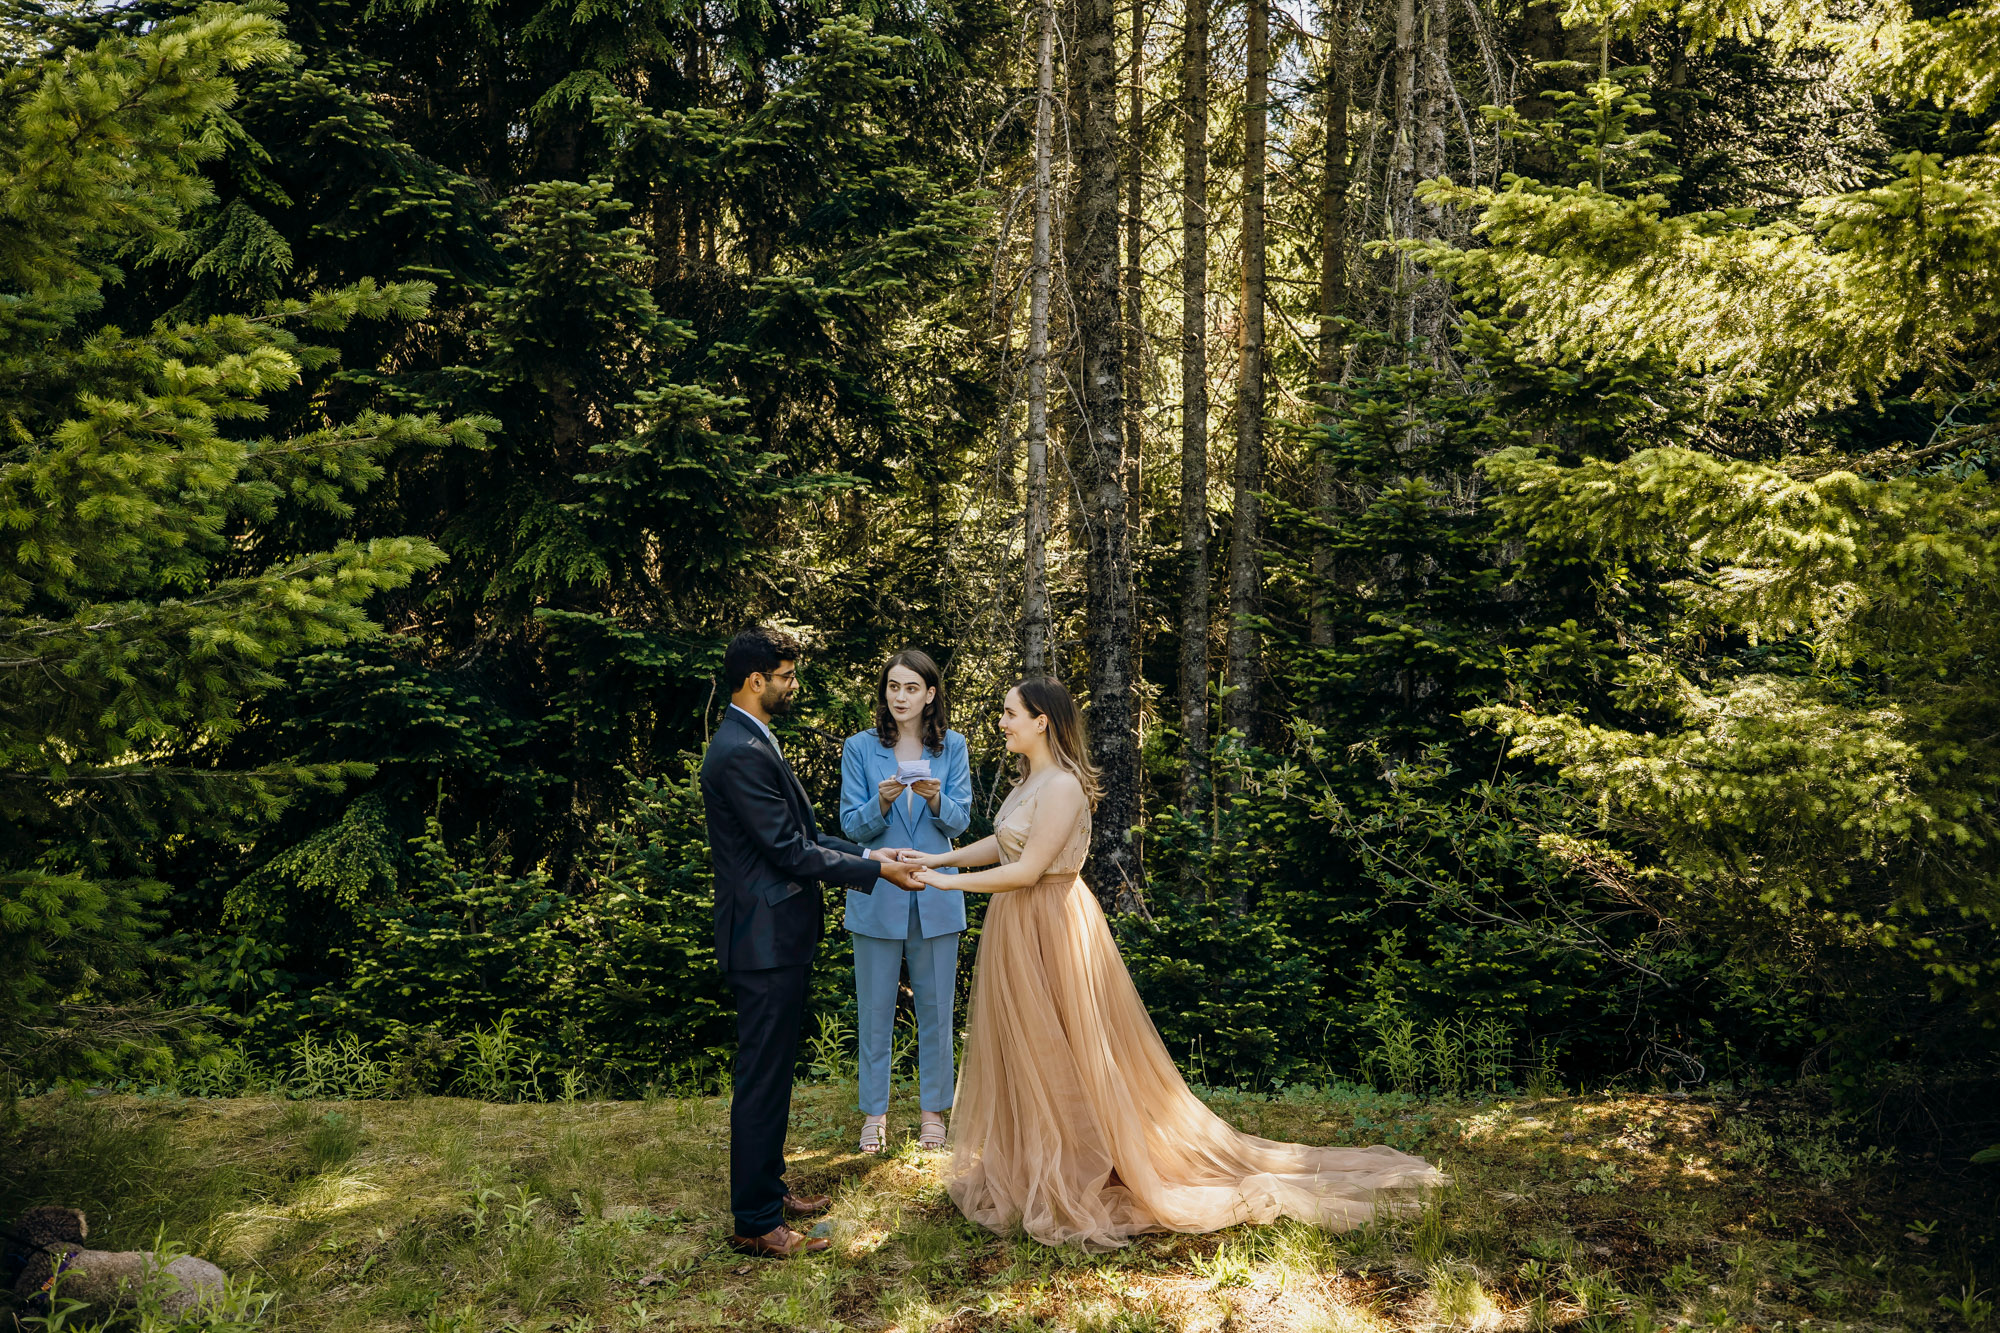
(1065, 1078)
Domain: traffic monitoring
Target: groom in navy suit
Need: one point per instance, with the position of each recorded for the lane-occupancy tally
(770, 859)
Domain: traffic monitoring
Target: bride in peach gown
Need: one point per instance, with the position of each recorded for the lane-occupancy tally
(1072, 1122)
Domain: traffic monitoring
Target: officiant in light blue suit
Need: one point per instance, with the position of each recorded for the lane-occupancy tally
(907, 782)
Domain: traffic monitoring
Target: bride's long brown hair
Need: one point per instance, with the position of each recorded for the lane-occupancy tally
(1069, 743)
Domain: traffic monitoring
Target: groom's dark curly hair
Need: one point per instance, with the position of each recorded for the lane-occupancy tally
(759, 648)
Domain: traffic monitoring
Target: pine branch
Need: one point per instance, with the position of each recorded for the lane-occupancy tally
(330, 773)
(1894, 455)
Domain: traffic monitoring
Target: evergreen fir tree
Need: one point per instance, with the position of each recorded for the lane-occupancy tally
(134, 622)
(1804, 743)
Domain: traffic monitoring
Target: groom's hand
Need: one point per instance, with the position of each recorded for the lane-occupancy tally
(902, 874)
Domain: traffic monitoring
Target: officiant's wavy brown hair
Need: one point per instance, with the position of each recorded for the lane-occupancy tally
(937, 713)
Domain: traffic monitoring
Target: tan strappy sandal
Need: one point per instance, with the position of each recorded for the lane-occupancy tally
(930, 1135)
(874, 1129)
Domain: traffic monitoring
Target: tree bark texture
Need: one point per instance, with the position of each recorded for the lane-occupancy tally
(1246, 525)
(1337, 21)
(1135, 313)
(1403, 160)
(1436, 93)
(1035, 581)
(1097, 451)
(1431, 302)
(1194, 410)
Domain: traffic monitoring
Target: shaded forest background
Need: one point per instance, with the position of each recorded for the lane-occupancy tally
(1513, 487)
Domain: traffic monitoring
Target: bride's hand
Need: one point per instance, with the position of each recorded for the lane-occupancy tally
(930, 878)
(915, 857)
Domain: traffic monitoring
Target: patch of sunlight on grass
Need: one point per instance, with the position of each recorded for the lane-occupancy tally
(856, 1242)
(245, 1233)
(1117, 1316)
(1300, 1250)
(907, 1179)
(909, 1309)
(862, 1221)
(1232, 1265)
(1459, 1301)
(800, 1295)
(1337, 1317)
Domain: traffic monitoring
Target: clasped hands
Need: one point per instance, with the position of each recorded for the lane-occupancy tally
(908, 868)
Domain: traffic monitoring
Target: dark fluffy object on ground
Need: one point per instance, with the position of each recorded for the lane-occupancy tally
(104, 1280)
(37, 1240)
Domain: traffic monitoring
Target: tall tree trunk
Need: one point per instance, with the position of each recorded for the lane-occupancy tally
(1403, 161)
(1246, 527)
(691, 209)
(1135, 326)
(1194, 411)
(1435, 93)
(1431, 303)
(1332, 290)
(1097, 449)
(1035, 582)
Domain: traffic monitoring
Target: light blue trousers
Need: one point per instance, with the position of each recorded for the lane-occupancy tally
(878, 965)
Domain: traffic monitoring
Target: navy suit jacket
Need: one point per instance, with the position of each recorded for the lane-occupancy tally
(768, 853)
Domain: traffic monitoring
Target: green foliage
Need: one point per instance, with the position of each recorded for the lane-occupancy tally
(427, 967)
(1862, 757)
(1792, 755)
(1592, 134)
(701, 306)
(689, 300)
(1669, 761)
(648, 1001)
(462, 947)
(1448, 933)
(1236, 999)
(132, 628)
(1471, 930)
(99, 151)
(1858, 291)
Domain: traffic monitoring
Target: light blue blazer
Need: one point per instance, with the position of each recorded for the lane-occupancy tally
(884, 911)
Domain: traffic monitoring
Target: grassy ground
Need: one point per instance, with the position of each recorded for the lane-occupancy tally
(1602, 1212)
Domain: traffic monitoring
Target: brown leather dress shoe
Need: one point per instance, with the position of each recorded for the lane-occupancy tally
(781, 1242)
(808, 1206)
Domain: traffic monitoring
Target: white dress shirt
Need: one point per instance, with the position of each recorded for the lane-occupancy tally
(756, 722)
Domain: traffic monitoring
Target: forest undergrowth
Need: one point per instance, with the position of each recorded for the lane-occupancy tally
(1618, 1210)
